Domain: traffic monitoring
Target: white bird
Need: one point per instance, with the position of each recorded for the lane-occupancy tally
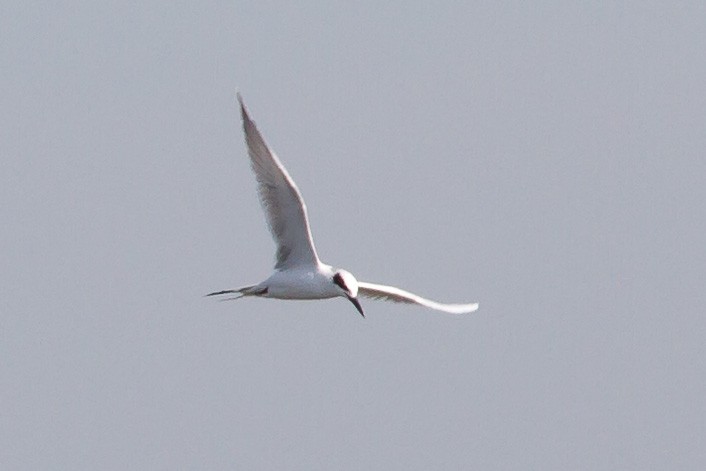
(299, 274)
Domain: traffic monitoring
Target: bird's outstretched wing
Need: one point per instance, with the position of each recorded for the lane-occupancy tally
(284, 206)
(390, 293)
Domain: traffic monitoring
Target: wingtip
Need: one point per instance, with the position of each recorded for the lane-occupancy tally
(243, 109)
(468, 308)
(460, 309)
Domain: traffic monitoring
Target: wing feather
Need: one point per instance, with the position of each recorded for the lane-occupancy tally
(285, 210)
(390, 293)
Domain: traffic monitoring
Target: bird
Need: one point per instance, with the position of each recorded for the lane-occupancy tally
(298, 271)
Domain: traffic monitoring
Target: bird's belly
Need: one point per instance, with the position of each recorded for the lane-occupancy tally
(299, 286)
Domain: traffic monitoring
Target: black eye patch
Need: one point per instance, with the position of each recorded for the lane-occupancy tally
(338, 279)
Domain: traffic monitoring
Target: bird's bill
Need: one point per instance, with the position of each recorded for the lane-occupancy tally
(357, 305)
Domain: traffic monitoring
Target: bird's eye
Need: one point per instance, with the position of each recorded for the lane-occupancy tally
(338, 279)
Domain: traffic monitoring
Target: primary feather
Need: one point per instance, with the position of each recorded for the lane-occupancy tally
(397, 295)
(284, 206)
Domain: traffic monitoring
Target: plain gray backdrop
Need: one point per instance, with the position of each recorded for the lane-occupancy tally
(545, 159)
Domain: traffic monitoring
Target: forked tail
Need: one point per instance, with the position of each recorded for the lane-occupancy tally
(252, 290)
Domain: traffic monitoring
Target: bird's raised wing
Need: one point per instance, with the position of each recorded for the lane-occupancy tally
(390, 293)
(284, 206)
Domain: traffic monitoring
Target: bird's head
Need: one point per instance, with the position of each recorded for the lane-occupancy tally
(348, 286)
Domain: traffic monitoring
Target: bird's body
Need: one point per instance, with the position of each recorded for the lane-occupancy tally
(299, 273)
(305, 282)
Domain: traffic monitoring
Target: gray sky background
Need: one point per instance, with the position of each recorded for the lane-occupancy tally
(546, 160)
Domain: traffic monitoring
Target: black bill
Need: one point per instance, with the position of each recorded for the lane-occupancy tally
(357, 305)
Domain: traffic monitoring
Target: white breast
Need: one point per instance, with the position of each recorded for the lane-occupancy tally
(305, 283)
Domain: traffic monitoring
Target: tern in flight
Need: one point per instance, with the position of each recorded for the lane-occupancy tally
(299, 274)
